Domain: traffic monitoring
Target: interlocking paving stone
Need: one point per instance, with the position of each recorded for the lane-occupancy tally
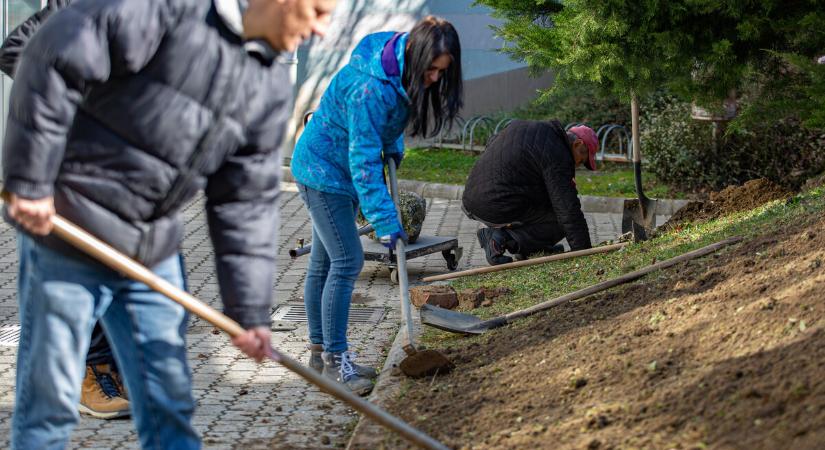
(246, 405)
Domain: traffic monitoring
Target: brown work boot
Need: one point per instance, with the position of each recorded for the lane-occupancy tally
(100, 396)
(121, 386)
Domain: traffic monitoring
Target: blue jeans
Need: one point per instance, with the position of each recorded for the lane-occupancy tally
(334, 264)
(61, 298)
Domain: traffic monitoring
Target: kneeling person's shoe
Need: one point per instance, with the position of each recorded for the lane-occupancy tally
(492, 241)
(100, 395)
(340, 368)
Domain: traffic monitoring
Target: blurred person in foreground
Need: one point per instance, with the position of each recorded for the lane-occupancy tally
(121, 111)
(102, 394)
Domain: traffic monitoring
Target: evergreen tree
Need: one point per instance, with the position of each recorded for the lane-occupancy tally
(700, 49)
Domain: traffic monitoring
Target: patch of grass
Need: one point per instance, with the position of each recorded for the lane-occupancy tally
(453, 166)
(436, 165)
(618, 181)
(535, 284)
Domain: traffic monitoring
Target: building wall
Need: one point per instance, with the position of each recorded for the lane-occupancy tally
(493, 82)
(12, 14)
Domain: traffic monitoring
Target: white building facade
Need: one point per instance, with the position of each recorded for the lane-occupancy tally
(493, 82)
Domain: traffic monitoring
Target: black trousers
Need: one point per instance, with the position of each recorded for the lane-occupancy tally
(536, 230)
(100, 352)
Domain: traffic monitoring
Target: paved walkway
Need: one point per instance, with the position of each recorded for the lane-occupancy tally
(242, 404)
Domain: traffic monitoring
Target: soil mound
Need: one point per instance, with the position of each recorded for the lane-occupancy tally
(722, 352)
(814, 182)
(729, 200)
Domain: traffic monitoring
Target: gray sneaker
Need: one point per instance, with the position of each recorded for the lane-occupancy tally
(339, 367)
(316, 361)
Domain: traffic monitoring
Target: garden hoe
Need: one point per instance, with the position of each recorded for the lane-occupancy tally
(639, 215)
(128, 267)
(456, 322)
(419, 362)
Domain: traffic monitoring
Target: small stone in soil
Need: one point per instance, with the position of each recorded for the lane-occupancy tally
(579, 383)
(243, 392)
(325, 440)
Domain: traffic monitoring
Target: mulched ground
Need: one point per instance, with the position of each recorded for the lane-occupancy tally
(723, 352)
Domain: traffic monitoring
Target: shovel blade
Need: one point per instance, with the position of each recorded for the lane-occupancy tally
(639, 218)
(424, 363)
(456, 322)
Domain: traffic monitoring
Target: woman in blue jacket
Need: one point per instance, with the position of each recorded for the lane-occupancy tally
(393, 82)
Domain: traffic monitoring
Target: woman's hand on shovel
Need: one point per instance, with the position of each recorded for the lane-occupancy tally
(35, 216)
(255, 342)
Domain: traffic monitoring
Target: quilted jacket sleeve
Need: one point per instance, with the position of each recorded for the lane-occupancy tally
(367, 117)
(242, 210)
(242, 213)
(79, 46)
(564, 198)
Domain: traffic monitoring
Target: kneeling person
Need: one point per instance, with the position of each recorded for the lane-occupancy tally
(523, 189)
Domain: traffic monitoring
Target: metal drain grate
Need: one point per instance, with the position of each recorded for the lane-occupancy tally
(296, 312)
(9, 336)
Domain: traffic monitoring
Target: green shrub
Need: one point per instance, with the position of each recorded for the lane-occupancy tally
(681, 151)
(580, 103)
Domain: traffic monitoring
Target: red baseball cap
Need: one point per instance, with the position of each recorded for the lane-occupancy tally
(588, 136)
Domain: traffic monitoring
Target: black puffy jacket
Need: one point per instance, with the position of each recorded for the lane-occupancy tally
(122, 110)
(528, 166)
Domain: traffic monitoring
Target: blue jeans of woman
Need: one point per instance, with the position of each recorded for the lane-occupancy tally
(61, 298)
(335, 261)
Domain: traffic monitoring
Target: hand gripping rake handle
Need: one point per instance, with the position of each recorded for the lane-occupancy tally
(118, 261)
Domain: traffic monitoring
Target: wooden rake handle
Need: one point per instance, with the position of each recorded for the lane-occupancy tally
(626, 278)
(529, 262)
(118, 261)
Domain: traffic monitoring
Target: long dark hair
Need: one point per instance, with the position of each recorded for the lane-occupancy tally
(429, 39)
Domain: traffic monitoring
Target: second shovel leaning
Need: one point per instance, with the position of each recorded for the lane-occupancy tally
(418, 362)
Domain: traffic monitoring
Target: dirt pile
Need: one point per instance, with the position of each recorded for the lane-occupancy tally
(814, 182)
(723, 352)
(727, 201)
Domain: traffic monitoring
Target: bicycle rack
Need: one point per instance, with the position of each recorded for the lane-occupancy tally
(625, 143)
(502, 124)
(478, 120)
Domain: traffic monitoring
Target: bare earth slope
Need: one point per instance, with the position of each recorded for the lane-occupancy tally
(723, 352)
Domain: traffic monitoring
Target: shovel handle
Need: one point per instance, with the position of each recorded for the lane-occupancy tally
(401, 259)
(132, 269)
(604, 285)
(112, 258)
(637, 152)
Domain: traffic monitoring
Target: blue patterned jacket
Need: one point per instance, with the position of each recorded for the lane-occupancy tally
(362, 114)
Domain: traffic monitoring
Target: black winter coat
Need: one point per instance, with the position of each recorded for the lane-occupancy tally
(528, 166)
(122, 110)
